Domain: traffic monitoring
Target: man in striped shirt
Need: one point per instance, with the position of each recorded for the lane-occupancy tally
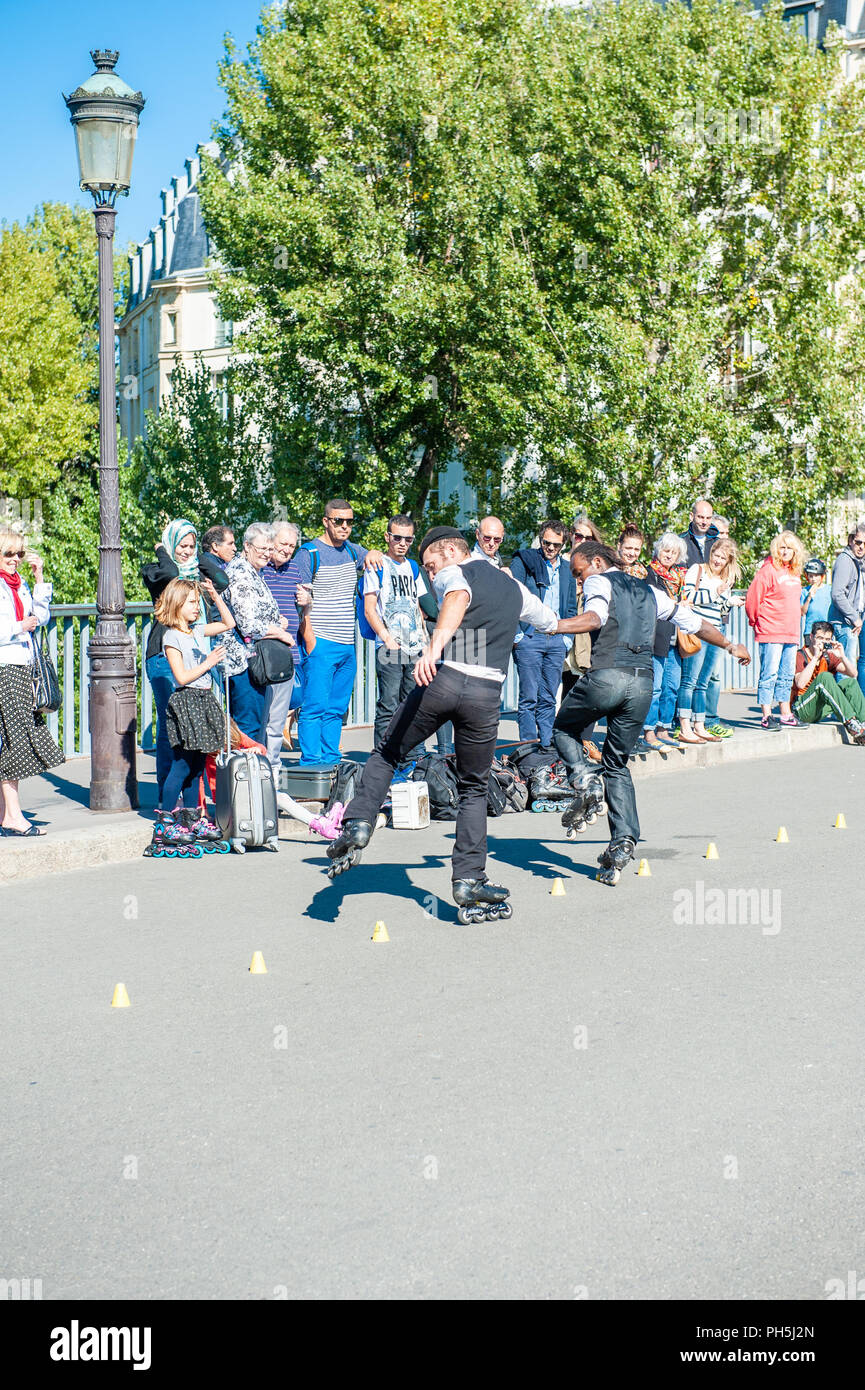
(327, 589)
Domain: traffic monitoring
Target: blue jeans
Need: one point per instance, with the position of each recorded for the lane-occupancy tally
(539, 659)
(854, 650)
(777, 665)
(670, 687)
(329, 672)
(247, 705)
(657, 682)
(696, 674)
(163, 685)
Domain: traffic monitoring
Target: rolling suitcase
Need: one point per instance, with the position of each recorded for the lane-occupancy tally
(245, 796)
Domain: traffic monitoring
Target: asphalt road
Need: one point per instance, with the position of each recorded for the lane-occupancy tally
(647, 1092)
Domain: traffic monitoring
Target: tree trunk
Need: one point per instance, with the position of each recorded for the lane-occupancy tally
(415, 498)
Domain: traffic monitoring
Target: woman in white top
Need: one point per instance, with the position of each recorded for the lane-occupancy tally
(26, 747)
(709, 589)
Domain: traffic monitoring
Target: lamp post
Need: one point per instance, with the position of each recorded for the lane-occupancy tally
(104, 112)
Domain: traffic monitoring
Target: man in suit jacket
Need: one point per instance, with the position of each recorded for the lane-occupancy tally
(540, 656)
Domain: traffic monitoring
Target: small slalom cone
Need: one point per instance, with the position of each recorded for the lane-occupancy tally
(121, 999)
(644, 871)
(257, 966)
(379, 932)
(558, 889)
(712, 851)
(840, 822)
(782, 838)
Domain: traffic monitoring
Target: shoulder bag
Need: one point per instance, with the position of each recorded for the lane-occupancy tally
(271, 663)
(46, 687)
(689, 644)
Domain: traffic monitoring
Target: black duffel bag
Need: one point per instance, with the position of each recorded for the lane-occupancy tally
(271, 663)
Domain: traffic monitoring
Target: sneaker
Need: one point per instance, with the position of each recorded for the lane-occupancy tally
(721, 730)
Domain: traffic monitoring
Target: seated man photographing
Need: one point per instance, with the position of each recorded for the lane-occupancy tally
(816, 692)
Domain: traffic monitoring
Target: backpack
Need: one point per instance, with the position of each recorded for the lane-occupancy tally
(506, 792)
(344, 784)
(439, 775)
(315, 563)
(526, 757)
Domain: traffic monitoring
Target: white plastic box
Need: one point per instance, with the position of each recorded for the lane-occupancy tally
(410, 805)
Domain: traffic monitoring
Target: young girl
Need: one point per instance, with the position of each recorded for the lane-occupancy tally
(194, 721)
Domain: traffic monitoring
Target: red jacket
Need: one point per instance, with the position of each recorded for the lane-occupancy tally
(773, 604)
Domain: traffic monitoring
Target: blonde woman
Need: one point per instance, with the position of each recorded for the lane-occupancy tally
(773, 604)
(708, 588)
(26, 747)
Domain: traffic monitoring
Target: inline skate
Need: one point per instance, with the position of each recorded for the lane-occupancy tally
(548, 788)
(205, 832)
(586, 805)
(613, 860)
(172, 839)
(345, 851)
(480, 901)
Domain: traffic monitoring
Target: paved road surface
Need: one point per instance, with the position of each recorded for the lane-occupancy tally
(594, 1099)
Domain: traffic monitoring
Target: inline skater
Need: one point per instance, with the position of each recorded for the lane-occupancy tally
(459, 678)
(620, 612)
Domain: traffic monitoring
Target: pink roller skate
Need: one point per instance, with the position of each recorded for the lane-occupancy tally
(330, 825)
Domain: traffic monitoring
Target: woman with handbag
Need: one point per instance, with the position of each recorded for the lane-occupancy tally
(260, 696)
(708, 588)
(26, 747)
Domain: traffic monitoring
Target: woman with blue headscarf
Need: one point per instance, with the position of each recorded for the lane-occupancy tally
(176, 557)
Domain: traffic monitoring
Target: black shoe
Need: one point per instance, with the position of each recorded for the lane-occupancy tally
(355, 834)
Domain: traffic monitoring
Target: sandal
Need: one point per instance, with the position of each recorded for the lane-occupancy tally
(708, 737)
(22, 834)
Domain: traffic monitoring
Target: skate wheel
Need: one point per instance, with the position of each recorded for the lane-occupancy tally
(210, 849)
(223, 847)
(463, 916)
(572, 834)
(505, 912)
(195, 852)
(168, 853)
(590, 820)
(537, 808)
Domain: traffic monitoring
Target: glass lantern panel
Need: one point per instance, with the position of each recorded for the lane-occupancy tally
(105, 151)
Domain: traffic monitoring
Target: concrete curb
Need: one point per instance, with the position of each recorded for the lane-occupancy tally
(117, 839)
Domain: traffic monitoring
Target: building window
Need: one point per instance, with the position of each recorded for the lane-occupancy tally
(220, 388)
(170, 338)
(223, 331)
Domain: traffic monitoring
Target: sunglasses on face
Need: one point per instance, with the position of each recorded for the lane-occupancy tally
(552, 545)
(13, 554)
(583, 536)
(400, 540)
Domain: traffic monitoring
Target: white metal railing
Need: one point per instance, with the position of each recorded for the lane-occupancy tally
(71, 625)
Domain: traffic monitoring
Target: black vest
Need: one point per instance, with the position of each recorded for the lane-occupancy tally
(487, 632)
(628, 635)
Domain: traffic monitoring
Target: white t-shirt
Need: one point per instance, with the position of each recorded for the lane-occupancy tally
(398, 593)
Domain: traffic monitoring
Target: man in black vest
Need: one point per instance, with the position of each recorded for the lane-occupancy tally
(459, 678)
(620, 612)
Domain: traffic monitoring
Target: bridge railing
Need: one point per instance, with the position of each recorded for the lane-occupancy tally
(71, 626)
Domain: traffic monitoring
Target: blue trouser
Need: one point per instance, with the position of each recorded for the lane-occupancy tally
(163, 685)
(328, 682)
(777, 666)
(670, 687)
(854, 650)
(181, 784)
(539, 658)
(696, 674)
(247, 705)
(657, 682)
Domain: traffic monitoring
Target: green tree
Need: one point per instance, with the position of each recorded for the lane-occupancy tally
(202, 456)
(553, 243)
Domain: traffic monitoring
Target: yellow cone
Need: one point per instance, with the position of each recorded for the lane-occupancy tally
(644, 871)
(258, 966)
(840, 822)
(379, 932)
(782, 838)
(121, 998)
(712, 851)
(558, 889)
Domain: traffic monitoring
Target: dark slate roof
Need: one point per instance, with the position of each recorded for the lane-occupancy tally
(190, 239)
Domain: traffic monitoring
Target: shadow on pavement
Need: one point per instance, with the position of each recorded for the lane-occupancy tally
(365, 878)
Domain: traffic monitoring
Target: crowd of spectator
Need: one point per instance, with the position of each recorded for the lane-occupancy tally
(309, 597)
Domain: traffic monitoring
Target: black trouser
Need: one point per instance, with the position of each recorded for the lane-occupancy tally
(624, 696)
(473, 706)
(395, 672)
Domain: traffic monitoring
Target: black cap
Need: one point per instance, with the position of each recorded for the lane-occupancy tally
(439, 533)
(815, 567)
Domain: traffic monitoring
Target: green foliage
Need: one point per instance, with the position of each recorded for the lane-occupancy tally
(482, 228)
(70, 525)
(201, 458)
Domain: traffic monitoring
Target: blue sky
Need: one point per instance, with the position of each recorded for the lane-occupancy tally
(169, 50)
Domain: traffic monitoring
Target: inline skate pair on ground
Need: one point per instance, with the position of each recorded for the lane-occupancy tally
(476, 899)
(185, 833)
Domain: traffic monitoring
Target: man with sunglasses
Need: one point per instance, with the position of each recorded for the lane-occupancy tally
(540, 656)
(848, 599)
(328, 569)
(488, 540)
(392, 608)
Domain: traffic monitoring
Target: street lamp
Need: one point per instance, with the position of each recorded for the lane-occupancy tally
(104, 112)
